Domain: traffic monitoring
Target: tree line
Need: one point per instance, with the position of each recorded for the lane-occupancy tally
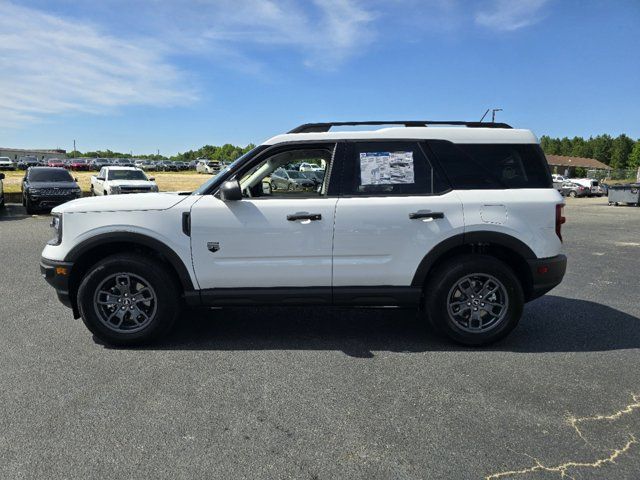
(619, 153)
(226, 152)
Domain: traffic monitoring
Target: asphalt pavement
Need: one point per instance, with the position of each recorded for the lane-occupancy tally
(324, 393)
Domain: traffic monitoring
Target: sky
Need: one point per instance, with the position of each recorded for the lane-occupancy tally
(146, 75)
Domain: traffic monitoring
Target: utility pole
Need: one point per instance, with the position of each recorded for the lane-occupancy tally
(74, 149)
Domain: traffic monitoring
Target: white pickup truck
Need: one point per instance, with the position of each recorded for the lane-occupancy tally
(118, 180)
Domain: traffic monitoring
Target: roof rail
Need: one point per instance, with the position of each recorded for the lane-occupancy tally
(326, 126)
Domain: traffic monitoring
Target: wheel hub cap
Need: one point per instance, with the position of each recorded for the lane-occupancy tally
(125, 302)
(477, 303)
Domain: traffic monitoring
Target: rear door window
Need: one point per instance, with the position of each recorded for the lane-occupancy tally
(492, 166)
(389, 168)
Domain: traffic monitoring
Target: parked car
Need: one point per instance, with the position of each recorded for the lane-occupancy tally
(27, 162)
(79, 164)
(169, 166)
(591, 184)
(282, 179)
(309, 167)
(98, 163)
(193, 164)
(570, 189)
(316, 176)
(558, 178)
(151, 166)
(47, 187)
(7, 164)
(55, 162)
(122, 180)
(1, 191)
(207, 166)
(465, 236)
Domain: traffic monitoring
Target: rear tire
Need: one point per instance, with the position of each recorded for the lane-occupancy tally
(573, 194)
(128, 299)
(474, 299)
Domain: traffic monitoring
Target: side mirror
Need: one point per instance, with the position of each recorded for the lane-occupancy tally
(100, 178)
(230, 191)
(75, 179)
(1, 176)
(152, 179)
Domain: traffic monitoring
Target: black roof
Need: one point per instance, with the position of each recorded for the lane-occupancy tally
(326, 126)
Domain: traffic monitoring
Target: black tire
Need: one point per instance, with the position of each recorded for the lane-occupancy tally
(28, 205)
(573, 194)
(167, 306)
(443, 281)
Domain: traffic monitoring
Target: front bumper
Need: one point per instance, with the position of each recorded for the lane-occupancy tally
(51, 201)
(546, 273)
(57, 275)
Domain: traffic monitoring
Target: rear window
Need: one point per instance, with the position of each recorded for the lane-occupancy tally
(492, 166)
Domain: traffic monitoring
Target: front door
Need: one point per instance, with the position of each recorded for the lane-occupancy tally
(272, 238)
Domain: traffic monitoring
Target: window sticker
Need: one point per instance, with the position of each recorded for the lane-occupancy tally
(386, 168)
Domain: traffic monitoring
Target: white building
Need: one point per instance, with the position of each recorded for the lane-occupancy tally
(15, 153)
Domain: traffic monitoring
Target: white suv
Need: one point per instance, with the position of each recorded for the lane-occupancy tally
(460, 221)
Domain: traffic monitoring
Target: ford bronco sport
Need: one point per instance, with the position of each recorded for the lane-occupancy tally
(459, 219)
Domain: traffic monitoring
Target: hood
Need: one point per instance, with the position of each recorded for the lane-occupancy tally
(121, 203)
(118, 183)
(65, 185)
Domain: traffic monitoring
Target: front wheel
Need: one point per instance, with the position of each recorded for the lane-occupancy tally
(573, 194)
(28, 205)
(474, 299)
(128, 299)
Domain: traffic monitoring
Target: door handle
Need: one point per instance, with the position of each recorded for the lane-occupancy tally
(304, 216)
(425, 214)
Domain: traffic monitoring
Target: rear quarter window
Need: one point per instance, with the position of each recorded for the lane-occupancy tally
(492, 166)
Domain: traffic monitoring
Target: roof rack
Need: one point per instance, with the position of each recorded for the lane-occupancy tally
(326, 126)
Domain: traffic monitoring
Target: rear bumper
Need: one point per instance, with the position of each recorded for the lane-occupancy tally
(546, 274)
(57, 275)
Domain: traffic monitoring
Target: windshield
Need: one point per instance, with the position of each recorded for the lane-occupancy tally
(53, 175)
(126, 175)
(223, 173)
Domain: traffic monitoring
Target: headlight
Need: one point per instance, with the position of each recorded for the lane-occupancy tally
(56, 224)
(35, 191)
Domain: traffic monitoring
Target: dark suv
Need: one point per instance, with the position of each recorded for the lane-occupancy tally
(46, 187)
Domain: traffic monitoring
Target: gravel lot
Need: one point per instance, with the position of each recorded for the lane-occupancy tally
(330, 393)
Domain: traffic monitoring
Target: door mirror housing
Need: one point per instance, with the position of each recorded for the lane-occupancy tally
(152, 179)
(100, 178)
(1, 176)
(230, 191)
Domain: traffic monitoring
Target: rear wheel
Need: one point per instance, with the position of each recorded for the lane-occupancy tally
(573, 194)
(128, 300)
(474, 299)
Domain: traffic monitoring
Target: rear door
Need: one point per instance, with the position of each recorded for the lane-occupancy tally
(393, 210)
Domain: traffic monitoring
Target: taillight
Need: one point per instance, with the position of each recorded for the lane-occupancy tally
(560, 219)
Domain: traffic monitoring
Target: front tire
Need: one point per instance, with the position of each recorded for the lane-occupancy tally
(474, 299)
(128, 299)
(28, 205)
